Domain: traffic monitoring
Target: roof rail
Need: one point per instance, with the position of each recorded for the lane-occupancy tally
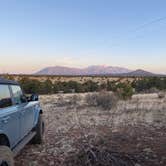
(6, 81)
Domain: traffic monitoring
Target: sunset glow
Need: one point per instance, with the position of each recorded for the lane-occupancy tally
(38, 34)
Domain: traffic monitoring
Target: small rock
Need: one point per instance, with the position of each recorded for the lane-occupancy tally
(163, 158)
(147, 150)
(137, 164)
(51, 163)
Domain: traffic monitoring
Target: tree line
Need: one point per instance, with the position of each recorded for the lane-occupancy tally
(151, 84)
(124, 90)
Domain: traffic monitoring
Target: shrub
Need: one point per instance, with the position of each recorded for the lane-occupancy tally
(161, 95)
(46, 87)
(9, 77)
(74, 100)
(145, 84)
(111, 86)
(106, 100)
(90, 86)
(74, 85)
(125, 91)
(91, 99)
(153, 90)
(96, 151)
(102, 99)
(30, 86)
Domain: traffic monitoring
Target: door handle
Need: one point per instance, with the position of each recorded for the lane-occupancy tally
(5, 120)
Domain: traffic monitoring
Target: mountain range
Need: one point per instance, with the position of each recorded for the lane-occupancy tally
(93, 70)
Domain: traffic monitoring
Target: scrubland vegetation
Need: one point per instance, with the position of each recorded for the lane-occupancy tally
(96, 129)
(123, 90)
(114, 124)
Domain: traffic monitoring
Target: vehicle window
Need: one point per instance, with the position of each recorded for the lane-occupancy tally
(5, 97)
(17, 93)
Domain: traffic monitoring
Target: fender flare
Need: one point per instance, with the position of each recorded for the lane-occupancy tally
(4, 137)
(41, 111)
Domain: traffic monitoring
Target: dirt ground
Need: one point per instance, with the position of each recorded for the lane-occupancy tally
(68, 121)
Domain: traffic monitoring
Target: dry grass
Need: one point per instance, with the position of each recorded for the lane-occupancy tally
(79, 135)
(105, 100)
(161, 95)
(94, 149)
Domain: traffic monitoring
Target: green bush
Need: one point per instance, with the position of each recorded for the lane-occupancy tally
(90, 86)
(111, 86)
(146, 84)
(30, 86)
(125, 91)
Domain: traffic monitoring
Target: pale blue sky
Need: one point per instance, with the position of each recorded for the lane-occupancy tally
(40, 33)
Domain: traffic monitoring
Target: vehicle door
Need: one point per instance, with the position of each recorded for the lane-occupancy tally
(9, 116)
(25, 108)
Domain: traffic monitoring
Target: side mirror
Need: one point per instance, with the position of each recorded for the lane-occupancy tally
(23, 99)
(34, 97)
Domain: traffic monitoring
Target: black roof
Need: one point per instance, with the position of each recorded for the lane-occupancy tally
(5, 81)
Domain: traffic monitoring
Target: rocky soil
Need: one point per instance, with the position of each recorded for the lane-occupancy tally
(75, 131)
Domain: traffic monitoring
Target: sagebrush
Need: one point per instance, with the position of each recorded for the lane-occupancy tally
(106, 100)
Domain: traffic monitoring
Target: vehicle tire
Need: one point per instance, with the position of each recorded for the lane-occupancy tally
(6, 156)
(38, 138)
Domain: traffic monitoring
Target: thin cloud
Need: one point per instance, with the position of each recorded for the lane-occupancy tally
(149, 23)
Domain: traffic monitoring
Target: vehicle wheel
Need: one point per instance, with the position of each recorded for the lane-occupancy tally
(6, 156)
(38, 138)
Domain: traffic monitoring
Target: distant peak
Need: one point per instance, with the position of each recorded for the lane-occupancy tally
(140, 72)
